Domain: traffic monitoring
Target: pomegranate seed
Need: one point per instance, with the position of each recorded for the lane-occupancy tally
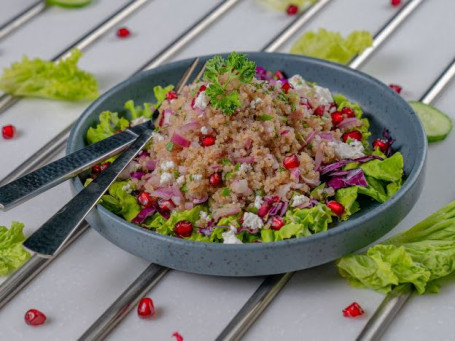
(263, 210)
(337, 118)
(145, 308)
(353, 135)
(104, 166)
(348, 112)
(292, 10)
(177, 336)
(146, 200)
(381, 144)
(171, 95)
(353, 310)
(123, 32)
(207, 140)
(395, 2)
(215, 179)
(336, 207)
(34, 317)
(286, 87)
(8, 131)
(277, 223)
(291, 161)
(183, 228)
(274, 199)
(166, 206)
(319, 110)
(279, 75)
(395, 88)
(96, 169)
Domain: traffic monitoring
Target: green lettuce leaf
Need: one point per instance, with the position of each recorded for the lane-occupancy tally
(163, 226)
(160, 94)
(331, 45)
(110, 122)
(60, 80)
(419, 256)
(12, 254)
(121, 202)
(347, 197)
(390, 169)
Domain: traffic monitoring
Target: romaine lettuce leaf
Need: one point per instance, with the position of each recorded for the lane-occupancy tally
(60, 80)
(422, 254)
(390, 169)
(12, 254)
(110, 122)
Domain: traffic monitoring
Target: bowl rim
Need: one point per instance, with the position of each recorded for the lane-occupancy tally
(349, 224)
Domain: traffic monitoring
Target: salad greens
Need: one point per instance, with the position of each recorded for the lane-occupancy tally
(12, 254)
(61, 80)
(422, 254)
(331, 45)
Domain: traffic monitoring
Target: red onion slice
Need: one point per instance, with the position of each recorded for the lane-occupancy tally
(180, 140)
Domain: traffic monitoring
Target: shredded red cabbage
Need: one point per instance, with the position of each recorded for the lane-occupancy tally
(390, 141)
(144, 214)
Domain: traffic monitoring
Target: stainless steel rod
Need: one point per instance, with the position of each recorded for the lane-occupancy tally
(22, 18)
(292, 29)
(245, 317)
(37, 160)
(253, 308)
(89, 38)
(393, 302)
(24, 275)
(124, 303)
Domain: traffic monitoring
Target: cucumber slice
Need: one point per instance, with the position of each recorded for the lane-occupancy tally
(69, 3)
(437, 124)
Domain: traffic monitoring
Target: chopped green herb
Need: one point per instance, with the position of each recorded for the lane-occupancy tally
(226, 162)
(169, 146)
(184, 188)
(237, 167)
(225, 191)
(228, 175)
(265, 117)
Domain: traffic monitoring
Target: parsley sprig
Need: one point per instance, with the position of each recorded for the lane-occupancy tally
(236, 66)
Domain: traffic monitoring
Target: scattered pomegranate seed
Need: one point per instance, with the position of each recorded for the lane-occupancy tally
(353, 135)
(348, 112)
(207, 140)
(104, 166)
(8, 131)
(183, 228)
(319, 111)
(291, 161)
(292, 9)
(145, 308)
(277, 223)
(337, 118)
(395, 88)
(263, 210)
(395, 2)
(336, 207)
(123, 32)
(177, 336)
(286, 87)
(353, 310)
(96, 169)
(171, 95)
(34, 317)
(145, 199)
(215, 179)
(381, 144)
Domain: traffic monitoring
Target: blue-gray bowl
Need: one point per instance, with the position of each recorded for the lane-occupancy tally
(382, 106)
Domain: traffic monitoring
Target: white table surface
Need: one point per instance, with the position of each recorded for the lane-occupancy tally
(90, 275)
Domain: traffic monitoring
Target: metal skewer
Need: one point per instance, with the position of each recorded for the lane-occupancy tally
(22, 18)
(89, 38)
(269, 289)
(394, 300)
(18, 280)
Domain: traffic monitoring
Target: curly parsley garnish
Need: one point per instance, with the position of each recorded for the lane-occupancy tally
(236, 66)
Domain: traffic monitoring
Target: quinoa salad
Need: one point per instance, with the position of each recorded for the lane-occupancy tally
(248, 155)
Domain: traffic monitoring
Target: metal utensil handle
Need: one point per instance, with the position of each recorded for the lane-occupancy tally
(21, 18)
(125, 303)
(49, 238)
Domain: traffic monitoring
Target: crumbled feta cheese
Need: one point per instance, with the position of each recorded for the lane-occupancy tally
(167, 165)
(299, 200)
(255, 101)
(229, 237)
(127, 188)
(139, 120)
(252, 220)
(258, 201)
(166, 178)
(244, 167)
(201, 101)
(323, 95)
(204, 131)
(181, 180)
(352, 150)
(197, 177)
(157, 136)
(205, 216)
(297, 82)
